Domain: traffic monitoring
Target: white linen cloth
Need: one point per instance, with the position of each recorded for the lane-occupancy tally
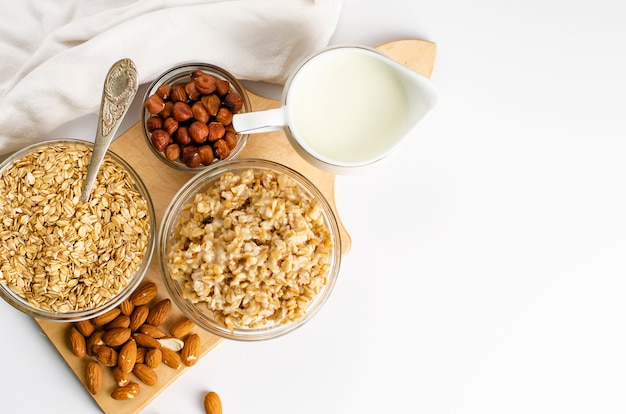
(54, 54)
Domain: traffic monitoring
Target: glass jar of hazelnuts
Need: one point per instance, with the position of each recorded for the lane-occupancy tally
(187, 116)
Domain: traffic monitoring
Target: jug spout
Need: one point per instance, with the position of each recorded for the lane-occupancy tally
(421, 94)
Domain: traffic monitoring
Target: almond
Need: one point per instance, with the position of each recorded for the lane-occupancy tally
(146, 340)
(93, 340)
(122, 321)
(145, 374)
(171, 358)
(126, 307)
(77, 342)
(106, 317)
(85, 327)
(191, 350)
(93, 376)
(138, 317)
(174, 344)
(212, 403)
(181, 327)
(153, 358)
(126, 392)
(160, 312)
(121, 378)
(127, 356)
(106, 355)
(141, 355)
(116, 336)
(152, 330)
(144, 294)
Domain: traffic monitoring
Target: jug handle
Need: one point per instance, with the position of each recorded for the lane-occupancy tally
(259, 121)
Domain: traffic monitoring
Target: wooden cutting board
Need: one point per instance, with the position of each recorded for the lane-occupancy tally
(163, 182)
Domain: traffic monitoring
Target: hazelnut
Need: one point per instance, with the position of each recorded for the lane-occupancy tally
(206, 154)
(205, 83)
(154, 122)
(160, 138)
(172, 152)
(182, 135)
(167, 111)
(178, 94)
(164, 91)
(199, 112)
(187, 152)
(192, 91)
(190, 157)
(223, 87)
(224, 116)
(221, 149)
(198, 131)
(233, 102)
(216, 131)
(181, 112)
(211, 103)
(231, 139)
(170, 125)
(154, 104)
(194, 161)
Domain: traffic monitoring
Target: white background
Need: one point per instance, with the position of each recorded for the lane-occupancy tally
(487, 268)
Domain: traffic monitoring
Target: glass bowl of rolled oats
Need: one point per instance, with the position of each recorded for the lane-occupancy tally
(249, 249)
(62, 259)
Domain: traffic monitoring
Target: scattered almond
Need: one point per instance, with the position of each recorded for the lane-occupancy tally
(153, 358)
(106, 355)
(144, 294)
(160, 312)
(127, 356)
(127, 392)
(138, 317)
(106, 317)
(212, 403)
(146, 340)
(93, 340)
(120, 377)
(126, 307)
(174, 344)
(93, 376)
(171, 358)
(122, 321)
(77, 342)
(116, 336)
(152, 330)
(145, 374)
(181, 327)
(191, 350)
(141, 355)
(85, 327)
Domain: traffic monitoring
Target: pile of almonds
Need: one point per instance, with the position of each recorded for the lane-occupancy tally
(131, 341)
(192, 122)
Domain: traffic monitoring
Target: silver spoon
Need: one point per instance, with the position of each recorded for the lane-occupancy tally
(120, 87)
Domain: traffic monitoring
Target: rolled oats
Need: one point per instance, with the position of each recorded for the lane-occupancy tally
(60, 254)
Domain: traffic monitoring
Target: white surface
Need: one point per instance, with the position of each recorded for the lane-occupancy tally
(487, 267)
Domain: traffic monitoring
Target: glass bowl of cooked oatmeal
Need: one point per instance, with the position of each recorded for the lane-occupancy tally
(62, 259)
(249, 249)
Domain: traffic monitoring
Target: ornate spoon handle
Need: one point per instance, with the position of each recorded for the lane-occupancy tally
(120, 87)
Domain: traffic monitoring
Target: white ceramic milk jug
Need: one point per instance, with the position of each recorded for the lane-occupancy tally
(346, 107)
